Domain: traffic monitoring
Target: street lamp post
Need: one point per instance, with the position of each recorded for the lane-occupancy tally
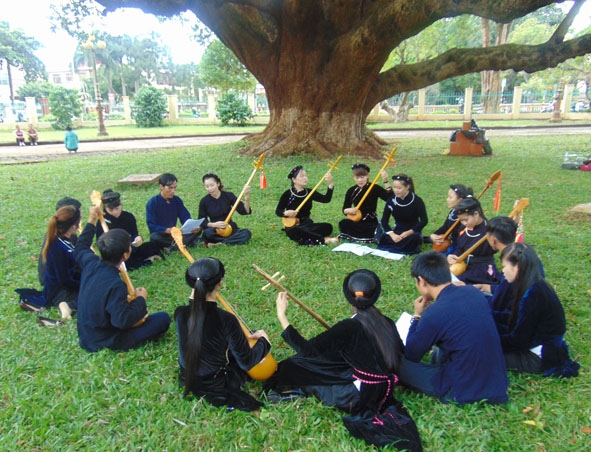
(91, 47)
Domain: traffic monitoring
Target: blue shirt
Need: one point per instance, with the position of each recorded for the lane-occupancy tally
(460, 323)
(162, 214)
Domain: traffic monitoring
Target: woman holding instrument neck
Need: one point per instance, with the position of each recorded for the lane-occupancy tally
(455, 194)
(215, 207)
(410, 217)
(352, 365)
(363, 231)
(214, 354)
(117, 218)
(481, 267)
(305, 232)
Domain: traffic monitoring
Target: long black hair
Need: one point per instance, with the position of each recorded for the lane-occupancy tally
(362, 289)
(203, 275)
(528, 273)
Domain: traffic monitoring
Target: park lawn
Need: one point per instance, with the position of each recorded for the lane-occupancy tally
(58, 397)
(177, 130)
(133, 132)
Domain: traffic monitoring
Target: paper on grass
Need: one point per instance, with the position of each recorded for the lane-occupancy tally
(191, 224)
(362, 250)
(403, 325)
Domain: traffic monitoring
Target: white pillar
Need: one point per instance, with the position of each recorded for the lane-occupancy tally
(468, 99)
(516, 107)
(173, 101)
(31, 109)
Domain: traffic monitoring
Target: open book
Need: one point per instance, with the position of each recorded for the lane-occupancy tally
(362, 250)
(191, 224)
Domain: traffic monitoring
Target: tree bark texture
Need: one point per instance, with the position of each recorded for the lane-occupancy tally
(320, 62)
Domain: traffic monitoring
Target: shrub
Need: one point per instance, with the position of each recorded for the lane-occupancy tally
(149, 107)
(231, 108)
(65, 105)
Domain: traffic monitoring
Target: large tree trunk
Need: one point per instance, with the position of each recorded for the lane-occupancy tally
(491, 80)
(321, 62)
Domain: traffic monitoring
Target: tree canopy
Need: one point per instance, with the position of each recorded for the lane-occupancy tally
(321, 63)
(17, 50)
(221, 69)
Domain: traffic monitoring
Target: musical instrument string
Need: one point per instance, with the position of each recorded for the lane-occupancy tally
(290, 222)
(460, 266)
(446, 242)
(227, 231)
(267, 366)
(357, 216)
(97, 201)
(276, 284)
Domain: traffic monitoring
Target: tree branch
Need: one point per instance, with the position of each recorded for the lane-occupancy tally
(564, 26)
(456, 62)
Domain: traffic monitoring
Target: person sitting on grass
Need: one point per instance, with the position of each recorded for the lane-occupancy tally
(106, 319)
(215, 207)
(61, 281)
(456, 325)
(480, 264)
(214, 354)
(533, 338)
(163, 211)
(117, 218)
(352, 365)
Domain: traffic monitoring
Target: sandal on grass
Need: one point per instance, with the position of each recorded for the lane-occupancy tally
(46, 321)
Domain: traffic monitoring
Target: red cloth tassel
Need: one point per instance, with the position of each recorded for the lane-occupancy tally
(497, 200)
(263, 180)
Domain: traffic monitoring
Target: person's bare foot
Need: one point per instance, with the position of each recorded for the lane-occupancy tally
(65, 310)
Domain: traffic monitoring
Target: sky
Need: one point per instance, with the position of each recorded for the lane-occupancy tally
(32, 16)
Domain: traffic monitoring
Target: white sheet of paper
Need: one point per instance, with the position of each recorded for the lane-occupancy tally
(359, 250)
(362, 250)
(191, 224)
(403, 325)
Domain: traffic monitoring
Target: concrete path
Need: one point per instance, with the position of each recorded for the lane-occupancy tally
(43, 152)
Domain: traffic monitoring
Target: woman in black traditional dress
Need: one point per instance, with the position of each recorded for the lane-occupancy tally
(305, 232)
(215, 207)
(353, 365)
(410, 217)
(455, 194)
(117, 218)
(480, 265)
(363, 231)
(214, 354)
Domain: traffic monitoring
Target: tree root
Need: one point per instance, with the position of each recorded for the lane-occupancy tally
(277, 144)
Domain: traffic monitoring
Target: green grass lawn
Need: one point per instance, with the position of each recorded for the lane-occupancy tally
(55, 396)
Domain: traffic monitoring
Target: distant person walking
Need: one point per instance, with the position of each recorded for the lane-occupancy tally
(71, 140)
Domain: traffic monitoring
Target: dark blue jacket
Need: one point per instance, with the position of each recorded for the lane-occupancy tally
(105, 318)
(460, 323)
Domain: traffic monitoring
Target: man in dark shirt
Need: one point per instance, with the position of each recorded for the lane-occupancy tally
(105, 318)
(467, 363)
(164, 210)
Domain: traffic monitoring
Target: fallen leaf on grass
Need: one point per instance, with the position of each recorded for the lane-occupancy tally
(530, 423)
(527, 410)
(586, 429)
